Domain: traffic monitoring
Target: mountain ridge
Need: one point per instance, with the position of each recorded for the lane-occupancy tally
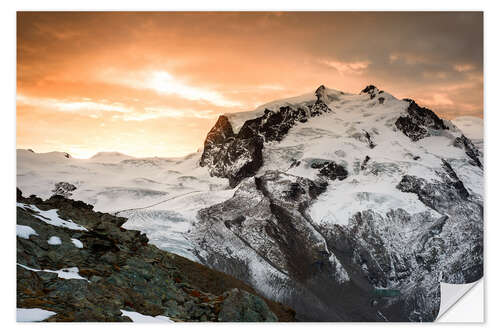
(384, 164)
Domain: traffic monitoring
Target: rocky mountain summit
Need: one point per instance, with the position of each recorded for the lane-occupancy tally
(83, 266)
(347, 207)
(237, 156)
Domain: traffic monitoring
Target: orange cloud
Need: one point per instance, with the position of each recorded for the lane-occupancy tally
(346, 68)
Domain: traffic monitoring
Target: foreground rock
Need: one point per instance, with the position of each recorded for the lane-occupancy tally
(96, 269)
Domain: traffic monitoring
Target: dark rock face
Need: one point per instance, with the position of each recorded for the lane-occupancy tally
(64, 189)
(219, 134)
(465, 212)
(230, 156)
(436, 196)
(216, 139)
(238, 156)
(471, 150)
(368, 137)
(331, 170)
(365, 162)
(371, 90)
(119, 270)
(420, 122)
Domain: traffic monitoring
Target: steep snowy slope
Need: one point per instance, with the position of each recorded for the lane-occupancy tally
(343, 206)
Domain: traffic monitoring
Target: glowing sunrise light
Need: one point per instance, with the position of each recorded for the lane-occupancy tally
(164, 83)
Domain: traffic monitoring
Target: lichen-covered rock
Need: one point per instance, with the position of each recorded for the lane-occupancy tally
(240, 306)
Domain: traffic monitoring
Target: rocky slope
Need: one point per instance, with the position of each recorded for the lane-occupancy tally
(83, 266)
(347, 207)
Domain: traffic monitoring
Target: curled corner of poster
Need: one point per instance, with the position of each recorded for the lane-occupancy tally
(462, 303)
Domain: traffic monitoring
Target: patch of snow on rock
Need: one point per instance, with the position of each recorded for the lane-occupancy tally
(63, 273)
(77, 243)
(51, 217)
(136, 317)
(25, 231)
(33, 315)
(54, 240)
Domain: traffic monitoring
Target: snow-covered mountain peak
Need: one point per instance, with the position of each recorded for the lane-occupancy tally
(373, 123)
(397, 192)
(332, 98)
(327, 95)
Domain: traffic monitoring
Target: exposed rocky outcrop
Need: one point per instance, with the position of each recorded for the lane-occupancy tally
(370, 90)
(437, 196)
(95, 273)
(420, 122)
(237, 156)
(470, 149)
(365, 162)
(232, 156)
(64, 189)
(368, 137)
(331, 170)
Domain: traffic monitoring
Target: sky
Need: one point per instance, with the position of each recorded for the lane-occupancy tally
(153, 84)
